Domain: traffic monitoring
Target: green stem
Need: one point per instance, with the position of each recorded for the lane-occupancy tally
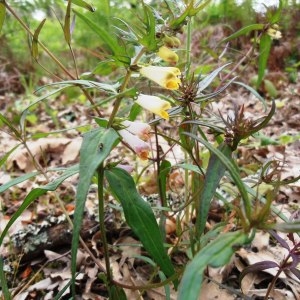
(123, 87)
(188, 47)
(100, 174)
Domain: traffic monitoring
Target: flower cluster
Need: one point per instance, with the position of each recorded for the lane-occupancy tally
(135, 134)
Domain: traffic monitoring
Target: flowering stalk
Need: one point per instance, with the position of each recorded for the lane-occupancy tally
(123, 87)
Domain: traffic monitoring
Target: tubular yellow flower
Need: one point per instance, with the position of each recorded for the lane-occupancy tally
(167, 55)
(274, 33)
(154, 104)
(164, 76)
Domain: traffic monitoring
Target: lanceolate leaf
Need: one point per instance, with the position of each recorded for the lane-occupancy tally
(35, 193)
(2, 15)
(67, 27)
(215, 172)
(105, 36)
(203, 84)
(3, 282)
(96, 146)
(139, 217)
(215, 254)
(264, 51)
(83, 4)
(222, 156)
(35, 39)
(244, 31)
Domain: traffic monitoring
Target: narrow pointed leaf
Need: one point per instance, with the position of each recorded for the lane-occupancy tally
(215, 254)
(105, 36)
(67, 26)
(203, 84)
(4, 158)
(244, 31)
(3, 282)
(35, 193)
(253, 91)
(231, 167)
(2, 15)
(83, 4)
(96, 146)
(139, 217)
(35, 39)
(264, 51)
(9, 124)
(215, 171)
(260, 266)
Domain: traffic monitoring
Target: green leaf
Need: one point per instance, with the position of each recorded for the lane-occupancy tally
(276, 16)
(105, 35)
(35, 40)
(83, 4)
(2, 15)
(165, 168)
(96, 146)
(17, 180)
(244, 31)
(148, 38)
(215, 171)
(4, 158)
(286, 227)
(253, 91)
(264, 51)
(230, 166)
(67, 27)
(8, 123)
(179, 21)
(204, 83)
(215, 254)
(3, 282)
(140, 217)
(35, 193)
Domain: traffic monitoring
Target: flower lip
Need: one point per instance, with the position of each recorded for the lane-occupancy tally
(154, 104)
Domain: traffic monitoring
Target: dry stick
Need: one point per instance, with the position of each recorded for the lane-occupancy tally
(53, 57)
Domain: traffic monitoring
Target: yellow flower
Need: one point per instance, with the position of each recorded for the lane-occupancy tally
(154, 104)
(167, 55)
(164, 76)
(274, 33)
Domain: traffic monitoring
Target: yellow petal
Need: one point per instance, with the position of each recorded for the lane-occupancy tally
(155, 105)
(167, 55)
(164, 76)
